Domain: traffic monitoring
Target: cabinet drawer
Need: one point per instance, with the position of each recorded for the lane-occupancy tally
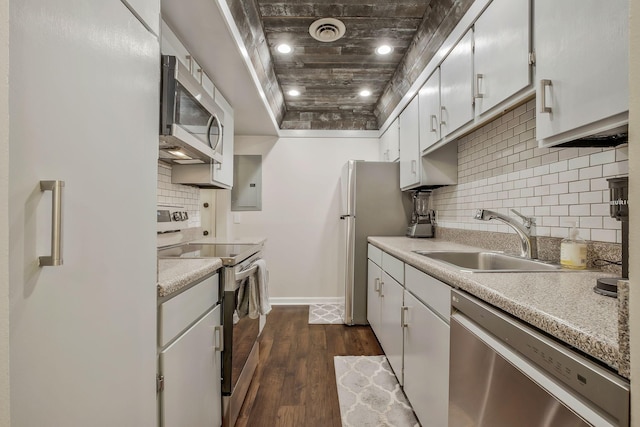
(374, 254)
(394, 267)
(176, 314)
(434, 293)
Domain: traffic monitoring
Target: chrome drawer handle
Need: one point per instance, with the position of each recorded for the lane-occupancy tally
(55, 259)
(544, 83)
(219, 331)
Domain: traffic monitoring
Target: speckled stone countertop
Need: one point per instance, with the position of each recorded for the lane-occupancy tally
(562, 304)
(175, 274)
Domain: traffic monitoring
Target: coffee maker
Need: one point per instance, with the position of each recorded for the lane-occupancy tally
(422, 218)
(618, 209)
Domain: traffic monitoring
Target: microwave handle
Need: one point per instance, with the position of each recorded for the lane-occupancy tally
(212, 119)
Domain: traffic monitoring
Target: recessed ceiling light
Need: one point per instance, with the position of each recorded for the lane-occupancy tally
(284, 48)
(384, 49)
(294, 92)
(365, 92)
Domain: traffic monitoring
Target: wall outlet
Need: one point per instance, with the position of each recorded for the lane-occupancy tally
(236, 218)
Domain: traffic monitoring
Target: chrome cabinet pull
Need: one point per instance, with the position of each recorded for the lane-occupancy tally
(413, 166)
(433, 120)
(219, 331)
(544, 83)
(381, 292)
(55, 259)
(376, 285)
(479, 78)
(443, 110)
(403, 316)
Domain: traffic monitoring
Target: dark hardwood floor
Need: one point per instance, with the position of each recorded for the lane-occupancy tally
(295, 383)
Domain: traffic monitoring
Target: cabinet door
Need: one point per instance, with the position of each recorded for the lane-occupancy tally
(410, 145)
(192, 394)
(456, 89)
(581, 66)
(374, 277)
(83, 85)
(501, 52)
(391, 334)
(429, 100)
(426, 362)
(223, 172)
(390, 143)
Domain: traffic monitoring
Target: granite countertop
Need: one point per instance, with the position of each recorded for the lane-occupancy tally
(175, 274)
(562, 304)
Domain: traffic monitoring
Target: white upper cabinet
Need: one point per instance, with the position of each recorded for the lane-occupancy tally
(501, 52)
(409, 145)
(223, 172)
(456, 88)
(390, 143)
(582, 60)
(429, 101)
(147, 11)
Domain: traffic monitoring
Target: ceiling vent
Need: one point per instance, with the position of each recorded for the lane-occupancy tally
(327, 29)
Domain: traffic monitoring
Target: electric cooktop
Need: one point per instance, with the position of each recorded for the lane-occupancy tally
(230, 254)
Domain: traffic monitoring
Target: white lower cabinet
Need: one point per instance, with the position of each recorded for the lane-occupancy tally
(411, 321)
(374, 277)
(189, 362)
(426, 362)
(390, 331)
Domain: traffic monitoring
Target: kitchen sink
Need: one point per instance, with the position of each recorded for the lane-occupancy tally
(489, 262)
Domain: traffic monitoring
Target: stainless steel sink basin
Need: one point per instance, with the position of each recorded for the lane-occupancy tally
(489, 262)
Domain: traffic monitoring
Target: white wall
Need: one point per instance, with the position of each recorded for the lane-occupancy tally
(4, 213)
(634, 197)
(300, 211)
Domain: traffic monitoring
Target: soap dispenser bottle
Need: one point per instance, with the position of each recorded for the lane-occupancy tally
(573, 250)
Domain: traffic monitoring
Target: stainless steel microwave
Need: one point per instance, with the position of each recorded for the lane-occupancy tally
(191, 123)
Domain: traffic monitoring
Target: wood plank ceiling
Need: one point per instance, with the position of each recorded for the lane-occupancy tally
(329, 76)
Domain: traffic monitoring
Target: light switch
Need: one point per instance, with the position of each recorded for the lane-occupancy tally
(236, 218)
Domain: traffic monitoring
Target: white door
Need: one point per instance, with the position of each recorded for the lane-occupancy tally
(191, 368)
(83, 109)
(581, 63)
(426, 362)
(410, 145)
(456, 88)
(390, 335)
(429, 97)
(501, 52)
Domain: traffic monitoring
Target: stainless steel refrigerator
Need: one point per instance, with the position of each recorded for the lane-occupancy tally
(372, 205)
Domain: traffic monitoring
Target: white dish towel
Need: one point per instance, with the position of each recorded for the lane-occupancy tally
(253, 295)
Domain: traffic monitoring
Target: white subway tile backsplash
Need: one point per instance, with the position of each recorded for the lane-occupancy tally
(178, 195)
(501, 167)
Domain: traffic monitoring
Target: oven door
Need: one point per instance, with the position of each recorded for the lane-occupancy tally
(190, 120)
(240, 335)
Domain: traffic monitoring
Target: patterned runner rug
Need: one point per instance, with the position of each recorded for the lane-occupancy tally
(326, 314)
(369, 393)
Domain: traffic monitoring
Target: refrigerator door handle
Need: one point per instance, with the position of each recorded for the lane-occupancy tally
(345, 216)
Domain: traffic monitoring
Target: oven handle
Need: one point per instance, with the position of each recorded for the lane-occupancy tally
(241, 275)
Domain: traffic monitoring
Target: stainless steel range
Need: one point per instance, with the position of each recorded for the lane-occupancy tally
(241, 349)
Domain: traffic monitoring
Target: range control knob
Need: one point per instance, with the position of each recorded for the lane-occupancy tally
(177, 216)
(185, 216)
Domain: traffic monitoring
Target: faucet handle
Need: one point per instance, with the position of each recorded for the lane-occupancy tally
(528, 220)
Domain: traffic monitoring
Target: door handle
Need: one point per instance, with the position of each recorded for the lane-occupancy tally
(381, 292)
(219, 332)
(544, 83)
(443, 110)
(55, 259)
(433, 119)
(376, 285)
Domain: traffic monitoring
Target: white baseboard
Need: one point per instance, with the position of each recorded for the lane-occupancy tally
(306, 300)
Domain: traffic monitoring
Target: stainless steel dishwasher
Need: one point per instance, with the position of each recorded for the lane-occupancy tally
(504, 373)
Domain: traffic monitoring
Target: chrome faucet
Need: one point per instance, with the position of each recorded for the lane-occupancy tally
(527, 250)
